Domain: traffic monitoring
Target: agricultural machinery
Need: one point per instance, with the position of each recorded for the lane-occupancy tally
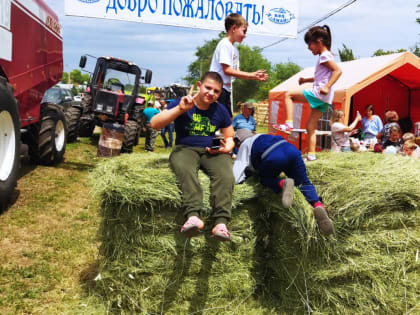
(112, 97)
(31, 61)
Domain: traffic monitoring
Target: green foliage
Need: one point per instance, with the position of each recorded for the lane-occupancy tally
(251, 59)
(65, 78)
(76, 76)
(75, 90)
(202, 64)
(381, 52)
(346, 54)
(277, 74)
(416, 50)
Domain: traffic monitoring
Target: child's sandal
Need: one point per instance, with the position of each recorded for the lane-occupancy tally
(192, 227)
(221, 233)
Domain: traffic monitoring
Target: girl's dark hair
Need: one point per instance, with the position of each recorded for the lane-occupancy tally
(319, 32)
(370, 107)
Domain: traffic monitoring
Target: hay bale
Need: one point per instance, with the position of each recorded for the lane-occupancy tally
(146, 265)
(277, 261)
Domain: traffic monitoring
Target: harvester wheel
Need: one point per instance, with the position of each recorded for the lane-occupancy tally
(72, 118)
(130, 134)
(9, 143)
(47, 139)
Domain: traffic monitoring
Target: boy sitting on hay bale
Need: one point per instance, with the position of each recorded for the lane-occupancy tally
(271, 155)
(197, 117)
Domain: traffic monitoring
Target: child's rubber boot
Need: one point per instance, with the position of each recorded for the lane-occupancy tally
(288, 187)
(325, 225)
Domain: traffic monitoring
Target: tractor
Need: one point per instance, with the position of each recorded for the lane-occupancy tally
(112, 97)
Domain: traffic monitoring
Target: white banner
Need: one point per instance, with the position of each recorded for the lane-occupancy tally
(265, 17)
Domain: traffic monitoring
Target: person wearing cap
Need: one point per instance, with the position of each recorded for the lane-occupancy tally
(245, 120)
(151, 133)
(269, 156)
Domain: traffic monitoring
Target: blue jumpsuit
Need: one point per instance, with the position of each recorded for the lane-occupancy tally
(283, 158)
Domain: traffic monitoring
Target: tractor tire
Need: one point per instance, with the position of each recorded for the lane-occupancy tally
(86, 128)
(47, 138)
(73, 120)
(86, 124)
(130, 134)
(9, 143)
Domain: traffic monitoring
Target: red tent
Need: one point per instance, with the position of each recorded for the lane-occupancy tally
(390, 82)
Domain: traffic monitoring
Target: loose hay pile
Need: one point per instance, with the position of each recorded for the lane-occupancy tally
(277, 262)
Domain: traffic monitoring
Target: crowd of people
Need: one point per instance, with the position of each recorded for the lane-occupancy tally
(207, 110)
(374, 135)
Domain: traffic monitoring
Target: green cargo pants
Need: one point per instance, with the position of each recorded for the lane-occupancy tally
(185, 161)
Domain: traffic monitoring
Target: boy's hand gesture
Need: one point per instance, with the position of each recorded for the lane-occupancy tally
(187, 102)
(261, 75)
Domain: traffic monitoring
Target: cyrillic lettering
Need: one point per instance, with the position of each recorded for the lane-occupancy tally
(228, 8)
(220, 5)
(200, 8)
(141, 9)
(177, 13)
(150, 6)
(247, 7)
(169, 7)
(238, 7)
(134, 5)
(111, 7)
(188, 8)
(210, 11)
(256, 15)
(122, 7)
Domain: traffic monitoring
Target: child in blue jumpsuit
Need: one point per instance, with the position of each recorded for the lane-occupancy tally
(269, 156)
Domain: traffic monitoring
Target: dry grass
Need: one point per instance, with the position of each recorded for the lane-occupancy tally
(278, 261)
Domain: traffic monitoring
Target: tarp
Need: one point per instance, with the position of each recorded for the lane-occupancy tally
(390, 82)
(265, 17)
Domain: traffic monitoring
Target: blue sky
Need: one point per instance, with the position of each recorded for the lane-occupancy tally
(365, 26)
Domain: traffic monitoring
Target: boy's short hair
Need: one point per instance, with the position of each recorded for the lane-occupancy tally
(395, 129)
(213, 76)
(408, 136)
(410, 144)
(234, 19)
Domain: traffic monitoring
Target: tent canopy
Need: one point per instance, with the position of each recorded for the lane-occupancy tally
(389, 82)
(357, 74)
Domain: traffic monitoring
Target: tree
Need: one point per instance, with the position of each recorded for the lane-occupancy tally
(76, 76)
(346, 54)
(251, 60)
(381, 52)
(278, 73)
(65, 78)
(202, 63)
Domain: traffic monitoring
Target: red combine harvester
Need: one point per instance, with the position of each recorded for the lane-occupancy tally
(31, 61)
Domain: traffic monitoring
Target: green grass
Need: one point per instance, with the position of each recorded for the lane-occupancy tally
(48, 238)
(50, 241)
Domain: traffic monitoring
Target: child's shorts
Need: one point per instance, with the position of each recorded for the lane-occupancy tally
(315, 102)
